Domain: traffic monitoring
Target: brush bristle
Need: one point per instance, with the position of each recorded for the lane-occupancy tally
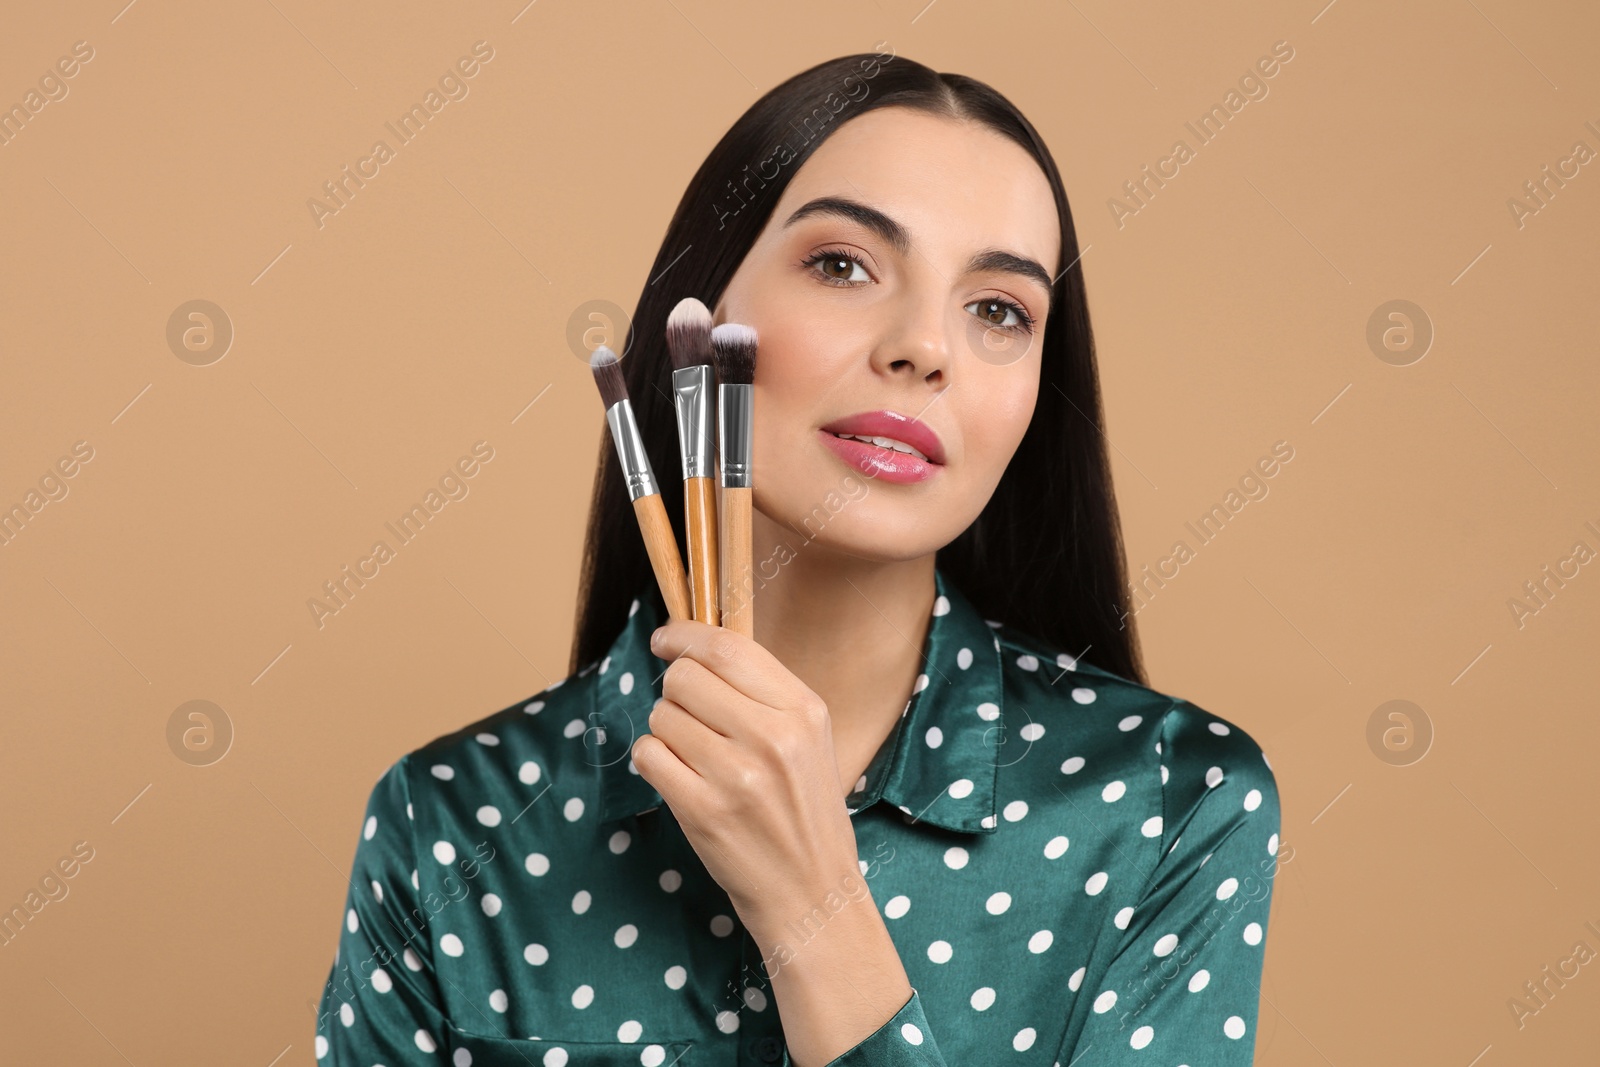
(735, 347)
(608, 376)
(689, 334)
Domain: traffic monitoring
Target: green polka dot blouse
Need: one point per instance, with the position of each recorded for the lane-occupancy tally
(1074, 868)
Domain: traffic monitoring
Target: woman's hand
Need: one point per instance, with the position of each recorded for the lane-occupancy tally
(742, 752)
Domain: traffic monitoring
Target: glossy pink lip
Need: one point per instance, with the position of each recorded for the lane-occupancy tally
(886, 463)
(892, 424)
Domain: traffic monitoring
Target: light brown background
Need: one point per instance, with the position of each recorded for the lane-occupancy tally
(369, 354)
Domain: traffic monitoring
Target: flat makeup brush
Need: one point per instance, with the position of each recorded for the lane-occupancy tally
(689, 341)
(659, 541)
(735, 348)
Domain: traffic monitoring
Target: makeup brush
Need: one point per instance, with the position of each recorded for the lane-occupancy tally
(659, 541)
(689, 341)
(735, 348)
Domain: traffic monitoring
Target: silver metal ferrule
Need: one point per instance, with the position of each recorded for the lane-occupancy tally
(630, 450)
(691, 395)
(735, 408)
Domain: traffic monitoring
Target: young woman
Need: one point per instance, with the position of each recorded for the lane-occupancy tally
(931, 814)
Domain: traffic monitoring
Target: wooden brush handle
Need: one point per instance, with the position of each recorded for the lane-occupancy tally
(700, 501)
(663, 548)
(738, 584)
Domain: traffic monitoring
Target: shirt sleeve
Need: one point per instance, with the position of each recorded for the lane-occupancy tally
(381, 1004)
(904, 1041)
(1184, 983)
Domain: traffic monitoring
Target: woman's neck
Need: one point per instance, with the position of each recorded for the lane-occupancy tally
(850, 629)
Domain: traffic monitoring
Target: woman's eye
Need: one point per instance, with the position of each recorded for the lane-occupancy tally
(847, 266)
(1002, 314)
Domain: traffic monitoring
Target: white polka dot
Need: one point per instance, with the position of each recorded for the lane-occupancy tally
(1055, 848)
(1234, 1027)
(1130, 722)
(911, 1034)
(1105, 1001)
(727, 1021)
(377, 892)
(1272, 845)
(941, 605)
(675, 977)
(1024, 1039)
(1213, 776)
(461, 1058)
(1252, 800)
(489, 740)
(533, 707)
(489, 815)
(574, 728)
(350, 921)
(498, 1001)
(1219, 728)
(1066, 662)
(1151, 827)
(490, 904)
(583, 996)
(1097, 881)
(1252, 934)
(670, 881)
(955, 857)
(321, 1046)
(625, 683)
(1165, 944)
(1072, 765)
(940, 952)
(1113, 791)
(964, 658)
(1076, 980)
(619, 842)
(1122, 918)
(961, 787)
(573, 809)
(988, 712)
(556, 1057)
(920, 684)
(997, 903)
(721, 925)
(755, 998)
(371, 827)
(629, 1031)
(1199, 980)
(451, 945)
(442, 772)
(537, 864)
(897, 906)
(528, 773)
(1083, 695)
(1015, 810)
(935, 737)
(536, 954)
(347, 1015)
(626, 935)
(983, 999)
(444, 852)
(425, 1041)
(653, 1056)
(1041, 941)
(413, 961)
(1032, 731)
(1226, 889)
(1163, 774)
(1141, 1037)
(580, 901)
(1027, 662)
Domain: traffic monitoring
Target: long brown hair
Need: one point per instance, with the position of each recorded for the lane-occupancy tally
(1045, 555)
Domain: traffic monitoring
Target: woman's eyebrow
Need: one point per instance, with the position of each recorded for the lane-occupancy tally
(993, 259)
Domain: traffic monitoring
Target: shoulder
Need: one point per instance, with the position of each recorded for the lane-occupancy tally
(1194, 750)
(489, 770)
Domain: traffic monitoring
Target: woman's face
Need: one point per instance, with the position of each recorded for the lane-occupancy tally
(932, 328)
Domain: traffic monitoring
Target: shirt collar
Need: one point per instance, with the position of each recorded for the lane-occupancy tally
(938, 765)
